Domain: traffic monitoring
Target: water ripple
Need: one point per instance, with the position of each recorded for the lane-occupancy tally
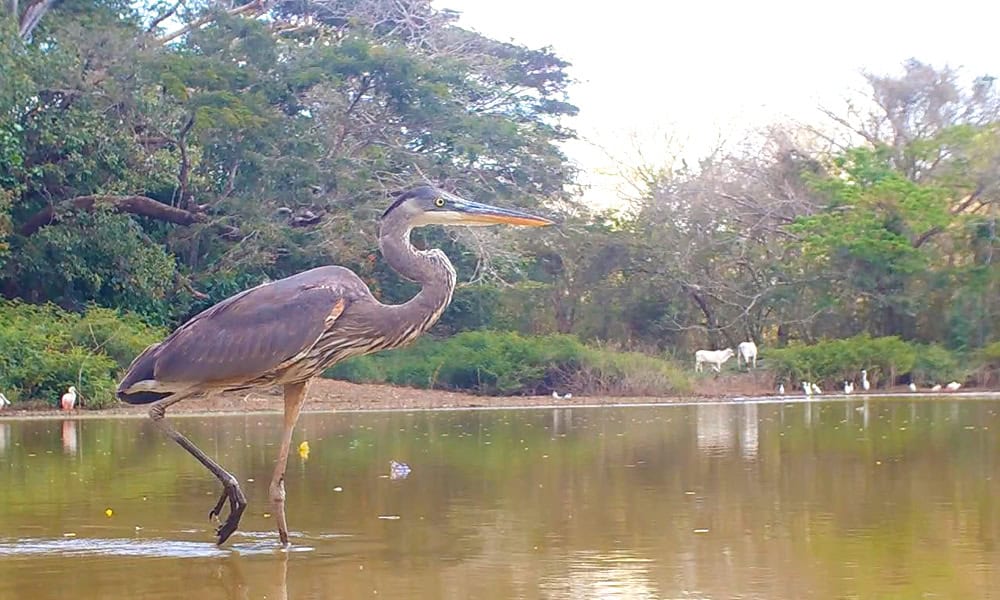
(156, 548)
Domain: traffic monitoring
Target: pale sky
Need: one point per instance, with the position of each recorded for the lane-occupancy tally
(700, 70)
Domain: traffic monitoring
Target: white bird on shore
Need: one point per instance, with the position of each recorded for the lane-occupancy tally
(781, 389)
(953, 386)
(816, 389)
(848, 387)
(68, 400)
(807, 388)
(565, 396)
(936, 388)
(864, 380)
(913, 387)
(4, 402)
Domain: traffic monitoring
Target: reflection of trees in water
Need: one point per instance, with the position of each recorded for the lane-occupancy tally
(4, 436)
(716, 500)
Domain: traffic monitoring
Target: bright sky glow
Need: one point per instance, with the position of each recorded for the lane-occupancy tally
(699, 71)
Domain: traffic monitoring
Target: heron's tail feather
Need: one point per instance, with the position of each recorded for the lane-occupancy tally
(141, 369)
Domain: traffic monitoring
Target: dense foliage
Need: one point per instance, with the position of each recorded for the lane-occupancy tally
(506, 363)
(47, 349)
(157, 157)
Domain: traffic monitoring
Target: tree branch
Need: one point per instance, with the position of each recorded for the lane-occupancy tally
(136, 205)
(170, 12)
(255, 8)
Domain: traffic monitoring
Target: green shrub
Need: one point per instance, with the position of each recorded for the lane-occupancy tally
(936, 364)
(47, 349)
(988, 364)
(508, 363)
(831, 362)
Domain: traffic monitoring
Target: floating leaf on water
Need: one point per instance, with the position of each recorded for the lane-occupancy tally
(338, 489)
(108, 512)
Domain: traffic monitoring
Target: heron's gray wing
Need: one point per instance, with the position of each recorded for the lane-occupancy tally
(251, 333)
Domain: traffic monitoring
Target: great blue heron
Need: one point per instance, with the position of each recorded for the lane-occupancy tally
(288, 331)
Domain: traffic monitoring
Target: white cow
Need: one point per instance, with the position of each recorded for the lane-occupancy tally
(716, 358)
(747, 351)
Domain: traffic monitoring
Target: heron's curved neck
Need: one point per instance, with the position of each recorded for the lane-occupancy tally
(431, 269)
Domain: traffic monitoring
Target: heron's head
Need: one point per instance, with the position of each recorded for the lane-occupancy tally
(427, 205)
(72, 389)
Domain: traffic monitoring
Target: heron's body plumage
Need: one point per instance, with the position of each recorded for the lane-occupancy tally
(284, 331)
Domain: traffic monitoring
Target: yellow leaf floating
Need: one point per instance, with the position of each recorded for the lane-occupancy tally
(304, 450)
(109, 512)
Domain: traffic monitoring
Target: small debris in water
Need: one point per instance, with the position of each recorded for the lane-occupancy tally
(389, 517)
(250, 479)
(304, 450)
(701, 530)
(398, 470)
(267, 515)
(338, 489)
(689, 493)
(69, 534)
(108, 512)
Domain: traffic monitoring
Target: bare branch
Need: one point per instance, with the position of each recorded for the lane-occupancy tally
(251, 9)
(137, 205)
(166, 15)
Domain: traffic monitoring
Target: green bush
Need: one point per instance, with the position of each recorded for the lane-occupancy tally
(507, 363)
(47, 349)
(988, 364)
(936, 364)
(833, 361)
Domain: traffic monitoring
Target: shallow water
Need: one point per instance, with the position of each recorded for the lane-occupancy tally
(885, 499)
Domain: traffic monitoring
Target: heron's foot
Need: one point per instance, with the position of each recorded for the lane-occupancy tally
(237, 504)
(213, 515)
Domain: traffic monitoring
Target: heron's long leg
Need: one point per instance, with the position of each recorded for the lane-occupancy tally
(295, 395)
(230, 486)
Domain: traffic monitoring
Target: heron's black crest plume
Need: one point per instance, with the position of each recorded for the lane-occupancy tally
(420, 190)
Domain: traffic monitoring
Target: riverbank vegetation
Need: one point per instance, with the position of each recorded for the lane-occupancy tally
(157, 157)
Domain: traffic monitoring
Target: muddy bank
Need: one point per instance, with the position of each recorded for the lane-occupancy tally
(328, 394)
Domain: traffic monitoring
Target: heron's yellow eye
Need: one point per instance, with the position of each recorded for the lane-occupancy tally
(439, 202)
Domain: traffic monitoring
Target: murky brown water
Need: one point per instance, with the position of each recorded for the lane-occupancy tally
(821, 500)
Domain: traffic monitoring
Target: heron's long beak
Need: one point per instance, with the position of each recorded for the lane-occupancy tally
(474, 213)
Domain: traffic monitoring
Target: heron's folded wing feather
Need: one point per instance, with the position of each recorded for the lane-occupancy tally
(250, 334)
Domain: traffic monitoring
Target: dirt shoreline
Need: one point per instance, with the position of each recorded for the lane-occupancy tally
(326, 395)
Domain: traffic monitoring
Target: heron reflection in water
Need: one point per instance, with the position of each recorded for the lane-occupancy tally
(289, 331)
